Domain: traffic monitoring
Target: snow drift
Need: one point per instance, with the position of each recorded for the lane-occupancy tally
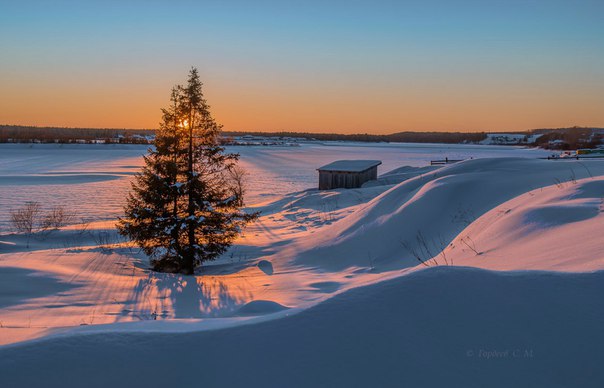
(437, 206)
(438, 327)
(325, 291)
(558, 227)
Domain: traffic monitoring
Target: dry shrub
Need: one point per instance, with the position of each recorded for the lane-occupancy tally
(25, 219)
(56, 218)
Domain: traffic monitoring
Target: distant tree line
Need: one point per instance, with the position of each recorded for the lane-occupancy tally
(406, 137)
(437, 137)
(27, 134)
(552, 138)
(570, 138)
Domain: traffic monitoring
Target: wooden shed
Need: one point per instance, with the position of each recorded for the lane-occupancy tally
(347, 174)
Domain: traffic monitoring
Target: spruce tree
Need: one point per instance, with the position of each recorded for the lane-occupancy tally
(184, 208)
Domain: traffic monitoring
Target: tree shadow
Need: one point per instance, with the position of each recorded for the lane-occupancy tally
(240, 257)
(163, 295)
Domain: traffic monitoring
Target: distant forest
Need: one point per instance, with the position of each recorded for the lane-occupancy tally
(553, 138)
(27, 134)
(403, 137)
(17, 133)
(569, 138)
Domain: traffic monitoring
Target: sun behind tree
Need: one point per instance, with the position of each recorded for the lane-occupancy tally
(185, 206)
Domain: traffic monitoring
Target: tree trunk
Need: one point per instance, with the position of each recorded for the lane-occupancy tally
(189, 264)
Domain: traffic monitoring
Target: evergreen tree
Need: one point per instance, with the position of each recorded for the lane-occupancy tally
(184, 207)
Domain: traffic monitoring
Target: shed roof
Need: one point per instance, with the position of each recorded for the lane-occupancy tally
(350, 165)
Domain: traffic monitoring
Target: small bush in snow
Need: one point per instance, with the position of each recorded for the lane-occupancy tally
(56, 218)
(427, 252)
(104, 240)
(25, 219)
(30, 219)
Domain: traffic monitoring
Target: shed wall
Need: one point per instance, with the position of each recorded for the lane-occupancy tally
(343, 179)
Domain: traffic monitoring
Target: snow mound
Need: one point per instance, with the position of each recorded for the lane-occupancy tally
(434, 208)
(266, 267)
(259, 307)
(441, 327)
(554, 228)
(589, 189)
(557, 215)
(325, 287)
(399, 175)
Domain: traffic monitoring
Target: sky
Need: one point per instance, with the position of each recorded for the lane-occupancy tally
(317, 66)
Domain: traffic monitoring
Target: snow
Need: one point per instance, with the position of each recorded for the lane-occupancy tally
(324, 290)
(266, 267)
(438, 205)
(257, 307)
(555, 228)
(438, 327)
(100, 174)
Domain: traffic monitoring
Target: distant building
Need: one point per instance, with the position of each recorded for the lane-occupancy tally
(347, 174)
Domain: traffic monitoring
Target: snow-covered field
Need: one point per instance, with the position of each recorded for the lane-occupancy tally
(482, 273)
(94, 179)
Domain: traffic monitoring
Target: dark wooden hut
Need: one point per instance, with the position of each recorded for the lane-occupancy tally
(347, 174)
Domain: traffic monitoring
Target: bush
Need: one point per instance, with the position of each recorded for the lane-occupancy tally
(29, 218)
(56, 218)
(25, 219)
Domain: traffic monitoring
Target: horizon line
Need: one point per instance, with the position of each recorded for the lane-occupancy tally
(307, 132)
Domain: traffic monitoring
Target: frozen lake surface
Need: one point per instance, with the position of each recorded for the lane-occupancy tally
(93, 180)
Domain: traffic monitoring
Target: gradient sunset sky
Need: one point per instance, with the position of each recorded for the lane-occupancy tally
(320, 66)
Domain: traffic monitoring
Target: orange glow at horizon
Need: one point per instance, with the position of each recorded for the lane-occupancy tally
(378, 109)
